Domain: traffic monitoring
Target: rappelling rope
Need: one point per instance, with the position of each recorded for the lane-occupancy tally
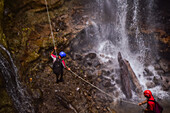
(52, 34)
(101, 89)
(92, 85)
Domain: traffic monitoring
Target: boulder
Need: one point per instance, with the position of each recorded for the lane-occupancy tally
(165, 83)
(147, 72)
(107, 83)
(165, 86)
(89, 63)
(149, 78)
(150, 84)
(157, 67)
(77, 56)
(96, 63)
(91, 55)
(164, 65)
(157, 80)
(160, 72)
(105, 72)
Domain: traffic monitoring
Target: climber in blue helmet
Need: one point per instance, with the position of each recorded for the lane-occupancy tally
(58, 65)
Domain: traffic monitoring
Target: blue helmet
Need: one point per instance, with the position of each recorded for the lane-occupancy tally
(62, 54)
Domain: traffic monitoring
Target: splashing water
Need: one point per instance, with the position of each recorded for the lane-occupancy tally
(20, 97)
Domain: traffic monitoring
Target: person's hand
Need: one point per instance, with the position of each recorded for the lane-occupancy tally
(146, 109)
(140, 104)
(68, 69)
(55, 48)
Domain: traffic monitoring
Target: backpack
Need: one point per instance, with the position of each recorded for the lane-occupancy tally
(57, 66)
(158, 108)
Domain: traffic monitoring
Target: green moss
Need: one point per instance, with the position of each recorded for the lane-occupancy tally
(32, 56)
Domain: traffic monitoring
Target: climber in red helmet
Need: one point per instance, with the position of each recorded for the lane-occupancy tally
(150, 102)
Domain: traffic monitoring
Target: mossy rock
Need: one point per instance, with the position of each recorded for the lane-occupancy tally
(32, 57)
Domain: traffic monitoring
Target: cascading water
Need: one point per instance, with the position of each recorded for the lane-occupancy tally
(116, 27)
(20, 97)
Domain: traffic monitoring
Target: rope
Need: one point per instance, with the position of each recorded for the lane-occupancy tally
(101, 89)
(92, 84)
(52, 34)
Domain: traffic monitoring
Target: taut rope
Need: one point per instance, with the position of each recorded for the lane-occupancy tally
(52, 34)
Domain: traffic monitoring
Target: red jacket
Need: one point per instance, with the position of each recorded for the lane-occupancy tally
(150, 104)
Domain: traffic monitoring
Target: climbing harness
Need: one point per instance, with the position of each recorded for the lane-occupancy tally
(101, 89)
(49, 20)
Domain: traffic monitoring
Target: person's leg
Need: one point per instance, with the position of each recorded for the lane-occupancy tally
(61, 76)
(57, 76)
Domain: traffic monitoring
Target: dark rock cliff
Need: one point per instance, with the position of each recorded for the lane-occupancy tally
(6, 105)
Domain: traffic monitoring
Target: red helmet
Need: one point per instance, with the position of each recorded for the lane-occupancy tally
(147, 93)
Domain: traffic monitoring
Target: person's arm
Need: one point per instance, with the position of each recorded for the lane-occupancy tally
(144, 102)
(147, 110)
(53, 56)
(53, 50)
(63, 62)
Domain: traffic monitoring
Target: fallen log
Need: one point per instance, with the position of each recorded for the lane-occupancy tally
(128, 78)
(134, 79)
(126, 88)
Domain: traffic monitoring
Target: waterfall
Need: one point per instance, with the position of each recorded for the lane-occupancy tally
(116, 27)
(20, 97)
